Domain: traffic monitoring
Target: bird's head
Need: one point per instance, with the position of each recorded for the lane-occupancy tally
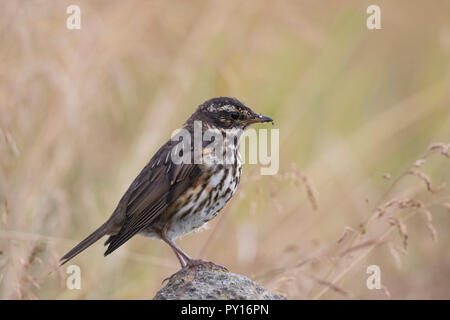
(227, 113)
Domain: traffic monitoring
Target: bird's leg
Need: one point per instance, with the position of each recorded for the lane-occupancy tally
(178, 252)
(181, 255)
(188, 261)
(185, 260)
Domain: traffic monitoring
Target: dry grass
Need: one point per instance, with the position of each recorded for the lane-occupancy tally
(82, 111)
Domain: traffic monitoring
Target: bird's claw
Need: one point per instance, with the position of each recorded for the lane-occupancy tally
(193, 264)
(199, 262)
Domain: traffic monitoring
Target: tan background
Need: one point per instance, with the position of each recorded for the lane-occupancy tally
(81, 112)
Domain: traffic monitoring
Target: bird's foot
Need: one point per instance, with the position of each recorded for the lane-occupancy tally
(199, 262)
(175, 274)
(194, 263)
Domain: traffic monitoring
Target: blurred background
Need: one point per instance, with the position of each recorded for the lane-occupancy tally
(82, 111)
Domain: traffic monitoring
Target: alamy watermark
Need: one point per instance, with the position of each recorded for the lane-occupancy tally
(374, 280)
(73, 21)
(73, 281)
(374, 19)
(213, 146)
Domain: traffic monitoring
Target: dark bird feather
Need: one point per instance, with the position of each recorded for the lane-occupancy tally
(148, 206)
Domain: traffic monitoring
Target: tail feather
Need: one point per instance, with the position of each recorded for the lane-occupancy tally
(93, 237)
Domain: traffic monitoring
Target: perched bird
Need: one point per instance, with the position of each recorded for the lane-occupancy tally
(168, 198)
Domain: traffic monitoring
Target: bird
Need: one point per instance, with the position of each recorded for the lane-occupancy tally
(170, 198)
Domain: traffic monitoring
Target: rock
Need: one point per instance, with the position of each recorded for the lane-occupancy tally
(208, 282)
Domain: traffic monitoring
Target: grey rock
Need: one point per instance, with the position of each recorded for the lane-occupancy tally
(209, 282)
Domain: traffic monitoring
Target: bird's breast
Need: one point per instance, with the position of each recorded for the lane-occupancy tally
(203, 201)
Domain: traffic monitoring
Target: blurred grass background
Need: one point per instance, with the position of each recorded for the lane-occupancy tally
(81, 112)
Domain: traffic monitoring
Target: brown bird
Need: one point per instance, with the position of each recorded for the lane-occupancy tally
(170, 198)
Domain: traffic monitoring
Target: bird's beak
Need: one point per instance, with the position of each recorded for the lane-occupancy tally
(259, 118)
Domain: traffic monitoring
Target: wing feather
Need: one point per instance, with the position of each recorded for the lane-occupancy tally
(153, 190)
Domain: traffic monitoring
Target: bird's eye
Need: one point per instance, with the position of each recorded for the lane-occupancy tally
(235, 115)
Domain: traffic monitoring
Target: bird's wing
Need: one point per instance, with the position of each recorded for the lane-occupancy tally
(158, 184)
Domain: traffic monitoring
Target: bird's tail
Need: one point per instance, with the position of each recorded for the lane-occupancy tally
(93, 237)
